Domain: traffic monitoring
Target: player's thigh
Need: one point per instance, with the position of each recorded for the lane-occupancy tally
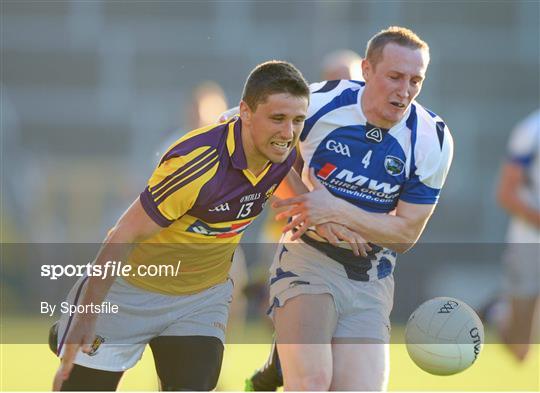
(304, 328)
(187, 362)
(306, 319)
(521, 270)
(121, 336)
(360, 364)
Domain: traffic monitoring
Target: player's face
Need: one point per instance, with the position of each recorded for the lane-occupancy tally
(393, 83)
(274, 126)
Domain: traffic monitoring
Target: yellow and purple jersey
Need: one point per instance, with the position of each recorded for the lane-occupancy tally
(204, 197)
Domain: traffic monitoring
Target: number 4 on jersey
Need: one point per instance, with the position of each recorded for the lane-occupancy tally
(367, 159)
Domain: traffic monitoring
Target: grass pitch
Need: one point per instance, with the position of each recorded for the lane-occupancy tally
(30, 367)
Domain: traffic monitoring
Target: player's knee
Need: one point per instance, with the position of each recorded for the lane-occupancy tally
(200, 379)
(187, 363)
(199, 386)
(370, 386)
(377, 381)
(53, 338)
(359, 382)
(88, 379)
(198, 383)
(316, 380)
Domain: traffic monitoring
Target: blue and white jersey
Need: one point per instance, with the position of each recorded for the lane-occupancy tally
(373, 168)
(524, 150)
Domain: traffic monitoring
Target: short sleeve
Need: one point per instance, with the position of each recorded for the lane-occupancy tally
(523, 142)
(425, 184)
(175, 184)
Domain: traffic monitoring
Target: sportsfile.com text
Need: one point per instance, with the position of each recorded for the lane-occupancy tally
(109, 269)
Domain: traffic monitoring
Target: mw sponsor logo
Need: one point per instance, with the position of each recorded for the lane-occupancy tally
(360, 180)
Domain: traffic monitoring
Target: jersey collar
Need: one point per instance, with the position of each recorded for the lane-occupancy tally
(237, 154)
(234, 144)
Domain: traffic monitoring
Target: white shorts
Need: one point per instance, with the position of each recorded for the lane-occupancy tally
(522, 270)
(143, 315)
(363, 307)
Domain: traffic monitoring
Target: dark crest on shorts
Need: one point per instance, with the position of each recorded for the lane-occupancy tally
(96, 344)
(393, 165)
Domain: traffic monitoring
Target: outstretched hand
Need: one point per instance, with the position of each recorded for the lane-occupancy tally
(79, 338)
(307, 209)
(337, 233)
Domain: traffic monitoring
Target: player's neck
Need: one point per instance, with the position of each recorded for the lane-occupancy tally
(371, 112)
(256, 165)
(256, 162)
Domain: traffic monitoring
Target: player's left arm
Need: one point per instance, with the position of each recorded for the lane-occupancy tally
(334, 232)
(398, 231)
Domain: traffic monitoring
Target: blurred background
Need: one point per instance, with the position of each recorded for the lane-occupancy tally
(92, 93)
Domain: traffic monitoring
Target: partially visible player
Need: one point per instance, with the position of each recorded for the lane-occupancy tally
(519, 194)
(208, 101)
(340, 64)
(207, 189)
(375, 161)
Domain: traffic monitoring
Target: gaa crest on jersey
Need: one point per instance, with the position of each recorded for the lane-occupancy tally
(270, 191)
(96, 344)
(393, 165)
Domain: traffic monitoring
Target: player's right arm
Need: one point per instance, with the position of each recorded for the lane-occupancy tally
(172, 190)
(133, 226)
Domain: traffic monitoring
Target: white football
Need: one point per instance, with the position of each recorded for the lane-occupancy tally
(444, 336)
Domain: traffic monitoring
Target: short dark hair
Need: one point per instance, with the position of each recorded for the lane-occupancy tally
(273, 77)
(397, 35)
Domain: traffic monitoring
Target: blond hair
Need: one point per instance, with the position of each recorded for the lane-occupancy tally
(393, 34)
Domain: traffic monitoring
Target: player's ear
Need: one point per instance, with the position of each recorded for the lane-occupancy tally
(366, 69)
(245, 111)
